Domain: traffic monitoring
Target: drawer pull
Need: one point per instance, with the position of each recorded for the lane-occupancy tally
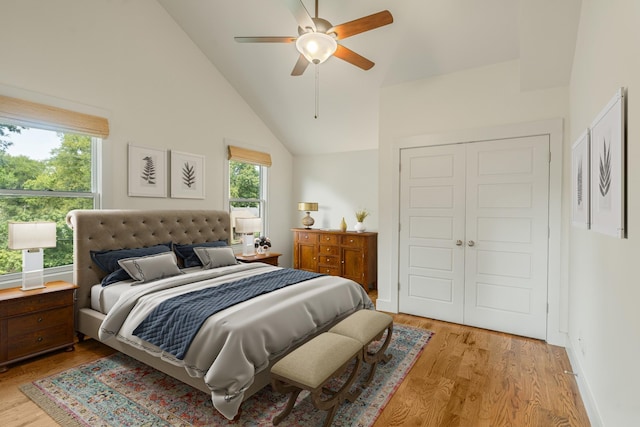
(351, 241)
(39, 339)
(39, 319)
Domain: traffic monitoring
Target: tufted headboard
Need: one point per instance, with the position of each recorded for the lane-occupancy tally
(99, 230)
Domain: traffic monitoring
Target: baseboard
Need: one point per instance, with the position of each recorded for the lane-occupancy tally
(583, 385)
(385, 305)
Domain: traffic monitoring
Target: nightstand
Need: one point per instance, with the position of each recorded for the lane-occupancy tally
(36, 321)
(271, 258)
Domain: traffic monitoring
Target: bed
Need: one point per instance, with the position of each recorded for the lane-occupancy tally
(230, 359)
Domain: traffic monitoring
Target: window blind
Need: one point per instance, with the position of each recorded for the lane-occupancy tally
(28, 113)
(245, 155)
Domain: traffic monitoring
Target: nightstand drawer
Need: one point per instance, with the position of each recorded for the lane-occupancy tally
(37, 341)
(20, 325)
(329, 250)
(36, 303)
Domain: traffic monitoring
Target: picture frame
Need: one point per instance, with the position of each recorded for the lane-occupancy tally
(580, 177)
(147, 172)
(187, 175)
(608, 172)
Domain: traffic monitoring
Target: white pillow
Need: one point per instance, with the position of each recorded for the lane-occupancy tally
(151, 267)
(216, 257)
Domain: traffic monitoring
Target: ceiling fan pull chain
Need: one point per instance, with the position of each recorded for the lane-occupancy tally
(317, 91)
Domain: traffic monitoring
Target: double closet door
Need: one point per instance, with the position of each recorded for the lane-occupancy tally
(474, 231)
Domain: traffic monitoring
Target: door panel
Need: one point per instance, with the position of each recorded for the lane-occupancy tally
(507, 218)
(432, 218)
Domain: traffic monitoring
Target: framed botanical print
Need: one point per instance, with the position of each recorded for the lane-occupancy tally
(608, 168)
(580, 181)
(147, 172)
(187, 175)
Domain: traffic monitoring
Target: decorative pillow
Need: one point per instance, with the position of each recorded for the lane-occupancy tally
(108, 260)
(216, 257)
(189, 257)
(151, 267)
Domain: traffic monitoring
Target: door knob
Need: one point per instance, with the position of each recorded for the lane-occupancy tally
(471, 243)
(458, 242)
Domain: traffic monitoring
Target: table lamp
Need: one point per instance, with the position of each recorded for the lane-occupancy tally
(248, 227)
(31, 237)
(307, 207)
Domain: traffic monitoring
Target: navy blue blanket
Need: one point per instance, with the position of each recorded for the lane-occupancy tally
(174, 323)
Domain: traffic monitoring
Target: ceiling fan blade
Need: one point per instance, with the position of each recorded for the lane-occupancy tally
(351, 57)
(267, 39)
(300, 66)
(300, 13)
(361, 25)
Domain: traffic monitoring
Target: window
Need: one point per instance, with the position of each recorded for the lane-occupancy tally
(47, 167)
(43, 175)
(247, 186)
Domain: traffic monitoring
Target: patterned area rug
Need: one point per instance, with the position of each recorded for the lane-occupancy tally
(120, 391)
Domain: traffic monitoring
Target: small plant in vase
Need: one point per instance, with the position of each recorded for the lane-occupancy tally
(360, 217)
(262, 244)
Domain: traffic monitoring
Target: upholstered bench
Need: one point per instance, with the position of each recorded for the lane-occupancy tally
(367, 326)
(311, 366)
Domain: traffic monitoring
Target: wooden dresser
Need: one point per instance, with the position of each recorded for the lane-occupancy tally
(36, 321)
(348, 254)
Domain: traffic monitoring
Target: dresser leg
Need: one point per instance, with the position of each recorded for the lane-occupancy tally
(70, 348)
(80, 336)
(3, 369)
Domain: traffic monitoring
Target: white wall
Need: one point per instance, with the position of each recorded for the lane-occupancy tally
(130, 61)
(341, 183)
(604, 286)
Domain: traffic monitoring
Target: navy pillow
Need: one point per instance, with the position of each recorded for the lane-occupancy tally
(189, 257)
(108, 260)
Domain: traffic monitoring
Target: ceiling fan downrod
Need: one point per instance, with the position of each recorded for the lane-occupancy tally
(317, 113)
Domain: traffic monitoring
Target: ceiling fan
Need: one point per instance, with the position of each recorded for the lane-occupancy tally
(317, 37)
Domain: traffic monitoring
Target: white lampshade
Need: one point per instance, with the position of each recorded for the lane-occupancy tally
(316, 47)
(32, 235)
(248, 225)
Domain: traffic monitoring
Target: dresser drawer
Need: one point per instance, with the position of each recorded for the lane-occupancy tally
(36, 321)
(326, 260)
(353, 241)
(331, 271)
(36, 303)
(329, 239)
(329, 250)
(304, 237)
(37, 341)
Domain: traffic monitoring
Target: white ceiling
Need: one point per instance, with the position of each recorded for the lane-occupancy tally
(427, 38)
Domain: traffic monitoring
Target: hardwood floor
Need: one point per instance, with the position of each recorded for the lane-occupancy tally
(465, 377)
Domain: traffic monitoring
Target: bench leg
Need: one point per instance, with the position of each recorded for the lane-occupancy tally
(373, 358)
(339, 396)
(287, 410)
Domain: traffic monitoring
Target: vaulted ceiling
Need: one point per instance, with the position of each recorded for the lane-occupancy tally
(426, 39)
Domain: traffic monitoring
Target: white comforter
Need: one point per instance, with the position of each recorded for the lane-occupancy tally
(235, 344)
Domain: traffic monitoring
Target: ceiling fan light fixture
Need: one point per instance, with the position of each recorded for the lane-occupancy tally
(316, 47)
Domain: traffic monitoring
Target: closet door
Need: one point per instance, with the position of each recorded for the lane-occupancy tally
(432, 215)
(474, 234)
(507, 233)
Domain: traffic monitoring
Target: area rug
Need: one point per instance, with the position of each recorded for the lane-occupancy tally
(120, 391)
